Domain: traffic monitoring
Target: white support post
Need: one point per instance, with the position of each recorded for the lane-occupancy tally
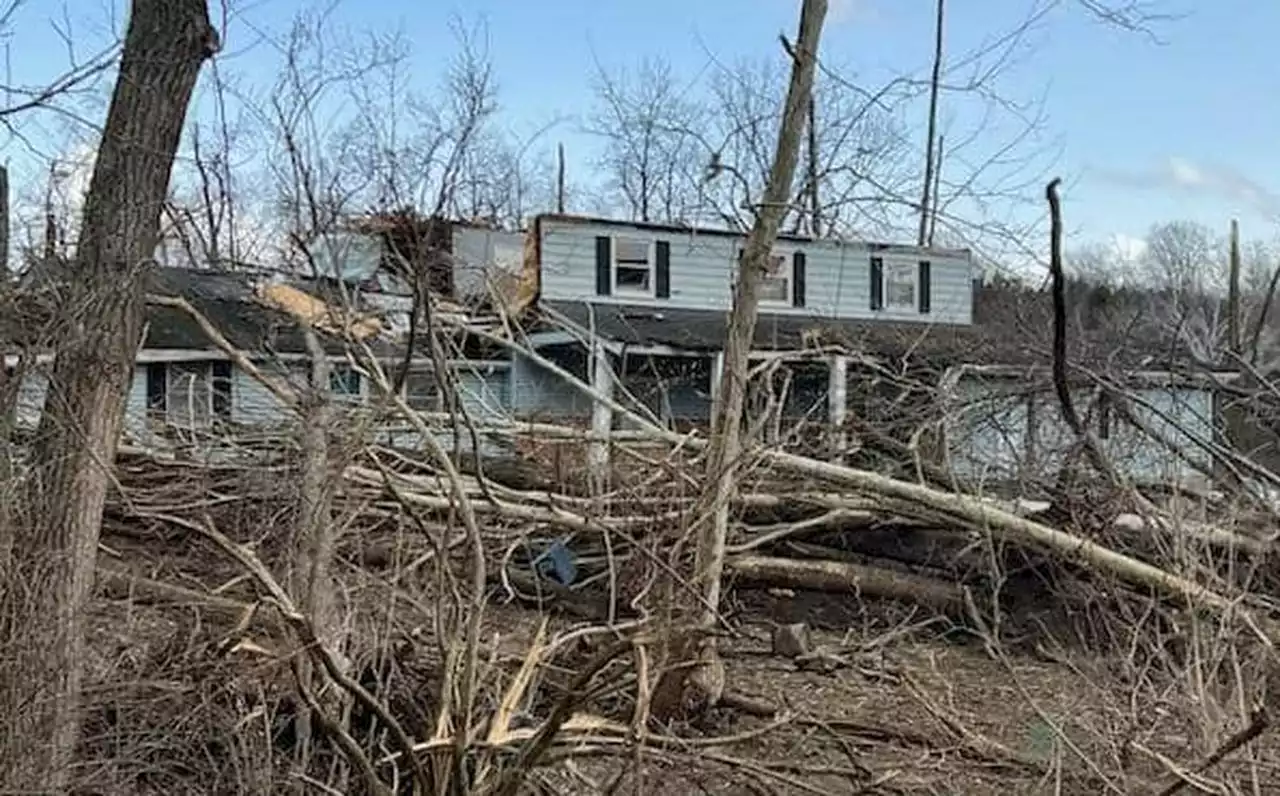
(598, 450)
(717, 377)
(838, 405)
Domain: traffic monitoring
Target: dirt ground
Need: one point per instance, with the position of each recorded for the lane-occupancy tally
(899, 703)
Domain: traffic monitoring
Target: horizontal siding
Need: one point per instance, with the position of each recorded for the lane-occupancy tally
(987, 432)
(478, 253)
(837, 275)
(484, 394)
(989, 427)
(484, 399)
(31, 394)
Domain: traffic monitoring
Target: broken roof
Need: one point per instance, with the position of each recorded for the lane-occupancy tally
(232, 301)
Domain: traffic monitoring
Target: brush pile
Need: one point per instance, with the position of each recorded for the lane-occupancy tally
(200, 539)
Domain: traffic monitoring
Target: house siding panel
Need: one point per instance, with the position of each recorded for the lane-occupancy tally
(538, 391)
(477, 253)
(837, 275)
(988, 434)
(252, 404)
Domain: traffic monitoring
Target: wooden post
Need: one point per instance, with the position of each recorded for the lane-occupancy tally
(560, 178)
(601, 417)
(717, 379)
(4, 220)
(1233, 291)
(931, 133)
(838, 405)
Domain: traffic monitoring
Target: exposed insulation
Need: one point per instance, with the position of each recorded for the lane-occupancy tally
(316, 313)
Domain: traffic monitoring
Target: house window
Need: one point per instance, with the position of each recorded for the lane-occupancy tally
(189, 393)
(422, 391)
(344, 382)
(900, 285)
(632, 265)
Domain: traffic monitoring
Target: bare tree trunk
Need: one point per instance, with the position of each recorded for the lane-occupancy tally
(707, 679)
(315, 539)
(815, 219)
(937, 191)
(560, 179)
(55, 551)
(1233, 291)
(932, 132)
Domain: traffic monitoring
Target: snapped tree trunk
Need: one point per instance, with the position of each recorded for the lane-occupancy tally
(930, 151)
(55, 550)
(707, 678)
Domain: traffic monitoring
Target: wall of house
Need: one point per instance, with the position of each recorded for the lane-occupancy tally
(483, 390)
(999, 431)
(837, 275)
(477, 251)
(30, 401)
(536, 391)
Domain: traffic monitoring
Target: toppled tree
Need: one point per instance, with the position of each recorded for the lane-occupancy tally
(47, 592)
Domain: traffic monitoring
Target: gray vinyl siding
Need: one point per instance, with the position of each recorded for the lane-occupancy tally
(479, 252)
(252, 404)
(990, 428)
(536, 391)
(483, 392)
(31, 394)
(482, 388)
(837, 275)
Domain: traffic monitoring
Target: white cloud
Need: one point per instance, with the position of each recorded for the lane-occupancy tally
(1204, 180)
(1185, 173)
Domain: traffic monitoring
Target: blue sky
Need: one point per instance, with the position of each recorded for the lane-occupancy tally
(1145, 131)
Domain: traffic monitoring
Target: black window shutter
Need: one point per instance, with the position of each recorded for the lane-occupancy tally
(797, 279)
(877, 283)
(662, 270)
(157, 388)
(604, 266)
(926, 292)
(221, 378)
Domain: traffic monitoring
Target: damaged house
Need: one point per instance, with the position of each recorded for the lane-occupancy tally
(861, 349)
(876, 354)
(187, 391)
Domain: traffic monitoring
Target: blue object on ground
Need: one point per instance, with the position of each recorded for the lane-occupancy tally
(557, 563)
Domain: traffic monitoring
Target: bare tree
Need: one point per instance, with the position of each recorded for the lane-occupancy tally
(712, 517)
(56, 548)
(1185, 257)
(646, 122)
(931, 154)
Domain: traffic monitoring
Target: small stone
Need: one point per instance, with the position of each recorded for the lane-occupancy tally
(791, 641)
